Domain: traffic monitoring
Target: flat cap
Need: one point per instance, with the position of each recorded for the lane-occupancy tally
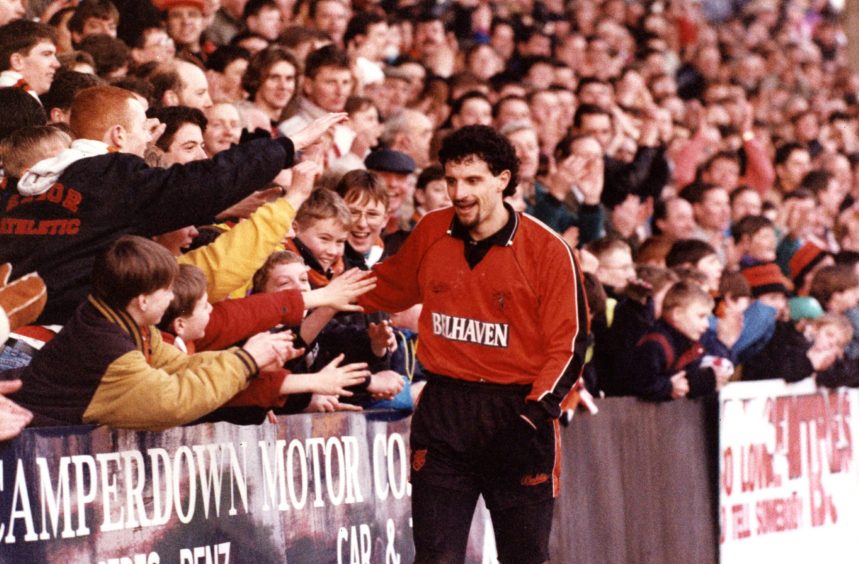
(387, 160)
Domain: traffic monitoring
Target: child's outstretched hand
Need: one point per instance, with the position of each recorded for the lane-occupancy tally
(382, 338)
(320, 403)
(334, 379)
(342, 291)
(269, 350)
(385, 384)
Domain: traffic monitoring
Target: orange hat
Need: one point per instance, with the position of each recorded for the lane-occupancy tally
(766, 278)
(167, 5)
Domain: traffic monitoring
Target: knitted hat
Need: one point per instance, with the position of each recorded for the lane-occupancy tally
(167, 5)
(765, 278)
(803, 261)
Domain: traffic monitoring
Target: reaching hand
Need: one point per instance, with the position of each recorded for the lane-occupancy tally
(303, 177)
(382, 338)
(310, 133)
(385, 384)
(679, 385)
(13, 417)
(342, 291)
(334, 379)
(320, 403)
(269, 350)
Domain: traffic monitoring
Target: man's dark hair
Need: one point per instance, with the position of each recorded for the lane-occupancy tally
(254, 7)
(328, 56)
(496, 108)
(456, 105)
(129, 267)
(695, 192)
(816, 180)
(486, 144)
(137, 85)
(688, 251)
(98, 9)
(19, 109)
(20, 36)
(173, 118)
(784, 151)
(295, 35)
(163, 77)
(224, 55)
(587, 110)
(66, 84)
(359, 24)
(260, 64)
(429, 174)
(749, 226)
(110, 54)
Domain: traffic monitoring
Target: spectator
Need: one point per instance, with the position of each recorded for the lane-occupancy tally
(28, 56)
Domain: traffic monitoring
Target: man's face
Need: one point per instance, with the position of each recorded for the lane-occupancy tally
(725, 173)
(597, 126)
(185, 25)
(762, 245)
(792, 171)
(330, 88)
(434, 196)
(374, 42)
(598, 94)
(137, 134)
(420, 135)
(399, 188)
(745, 204)
(267, 22)
(368, 219)
(325, 239)
(277, 88)
(691, 320)
(527, 148)
(187, 145)
(95, 26)
(38, 66)
(195, 88)
(475, 111)
(157, 47)
(292, 276)
(429, 36)
(11, 10)
(475, 192)
(332, 17)
(513, 110)
(714, 211)
(224, 128)
(616, 269)
(712, 268)
(679, 222)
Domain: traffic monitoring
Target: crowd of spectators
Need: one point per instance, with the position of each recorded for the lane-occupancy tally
(227, 170)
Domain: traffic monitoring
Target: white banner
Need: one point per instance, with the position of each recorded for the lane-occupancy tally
(789, 478)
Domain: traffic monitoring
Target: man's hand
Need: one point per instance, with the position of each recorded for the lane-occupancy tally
(310, 133)
(385, 384)
(269, 350)
(303, 178)
(679, 385)
(382, 338)
(589, 175)
(13, 417)
(342, 291)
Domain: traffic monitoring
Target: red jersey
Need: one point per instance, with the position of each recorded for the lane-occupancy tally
(517, 316)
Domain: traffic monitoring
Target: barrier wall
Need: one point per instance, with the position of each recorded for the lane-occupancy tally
(640, 483)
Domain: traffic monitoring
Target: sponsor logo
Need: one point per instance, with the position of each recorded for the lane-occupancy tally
(470, 330)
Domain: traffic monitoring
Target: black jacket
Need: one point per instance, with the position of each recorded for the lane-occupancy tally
(98, 199)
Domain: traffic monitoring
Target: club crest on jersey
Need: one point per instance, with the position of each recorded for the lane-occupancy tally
(470, 330)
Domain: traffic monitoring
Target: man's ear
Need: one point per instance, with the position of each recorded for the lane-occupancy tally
(170, 98)
(116, 136)
(16, 61)
(420, 197)
(178, 326)
(57, 115)
(504, 178)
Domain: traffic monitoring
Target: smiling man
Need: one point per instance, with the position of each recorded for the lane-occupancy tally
(496, 287)
(28, 56)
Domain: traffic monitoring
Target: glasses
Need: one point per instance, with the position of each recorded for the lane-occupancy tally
(369, 216)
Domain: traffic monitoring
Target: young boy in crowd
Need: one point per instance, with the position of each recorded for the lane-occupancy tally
(615, 268)
(700, 255)
(125, 374)
(320, 338)
(191, 322)
(29, 145)
(754, 240)
(668, 359)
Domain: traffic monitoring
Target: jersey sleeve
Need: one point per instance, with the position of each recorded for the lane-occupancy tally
(563, 314)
